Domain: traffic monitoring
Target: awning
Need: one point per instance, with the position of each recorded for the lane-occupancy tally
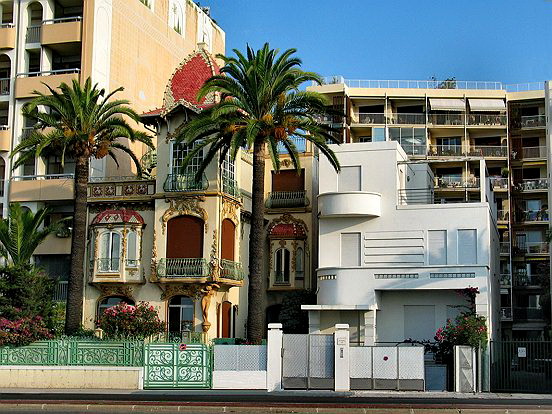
(440, 104)
(487, 105)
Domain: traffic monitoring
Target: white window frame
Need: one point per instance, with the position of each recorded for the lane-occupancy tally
(175, 165)
(279, 259)
(136, 249)
(110, 234)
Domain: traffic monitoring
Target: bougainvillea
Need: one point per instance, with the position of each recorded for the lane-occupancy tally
(23, 331)
(127, 321)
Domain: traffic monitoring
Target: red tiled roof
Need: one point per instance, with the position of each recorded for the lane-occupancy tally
(118, 217)
(153, 112)
(291, 230)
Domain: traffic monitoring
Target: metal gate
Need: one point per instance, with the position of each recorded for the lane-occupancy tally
(521, 366)
(308, 361)
(173, 365)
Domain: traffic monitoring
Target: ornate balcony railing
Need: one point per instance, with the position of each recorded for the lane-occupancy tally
(33, 34)
(185, 182)
(183, 268)
(505, 280)
(407, 119)
(230, 187)
(370, 119)
(487, 119)
(533, 152)
(287, 199)
(488, 151)
(533, 184)
(108, 264)
(533, 121)
(231, 270)
(118, 187)
(447, 119)
(446, 150)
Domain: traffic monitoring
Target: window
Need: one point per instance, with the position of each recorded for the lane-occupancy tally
(350, 249)
(179, 152)
(467, 246)
(110, 252)
(283, 266)
(378, 134)
(349, 179)
(299, 263)
(54, 165)
(181, 314)
(132, 249)
(228, 174)
(412, 140)
(437, 247)
(533, 301)
(110, 301)
(176, 17)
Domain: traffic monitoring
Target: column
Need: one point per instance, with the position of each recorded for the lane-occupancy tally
(341, 361)
(274, 357)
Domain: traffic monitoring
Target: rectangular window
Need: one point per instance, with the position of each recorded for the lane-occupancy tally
(179, 152)
(437, 247)
(349, 179)
(350, 249)
(419, 322)
(378, 134)
(467, 246)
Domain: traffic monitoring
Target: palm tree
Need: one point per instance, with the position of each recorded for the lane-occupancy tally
(260, 107)
(21, 233)
(80, 122)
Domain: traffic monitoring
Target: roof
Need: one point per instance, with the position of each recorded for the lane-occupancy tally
(118, 217)
(185, 82)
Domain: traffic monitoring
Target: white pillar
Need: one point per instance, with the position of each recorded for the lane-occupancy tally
(370, 328)
(341, 342)
(274, 357)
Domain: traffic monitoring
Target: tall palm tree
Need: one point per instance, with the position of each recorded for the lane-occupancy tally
(22, 232)
(80, 122)
(260, 107)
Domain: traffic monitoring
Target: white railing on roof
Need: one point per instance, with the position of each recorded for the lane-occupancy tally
(412, 84)
(522, 87)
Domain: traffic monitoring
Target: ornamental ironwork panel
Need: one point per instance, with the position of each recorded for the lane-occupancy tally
(173, 365)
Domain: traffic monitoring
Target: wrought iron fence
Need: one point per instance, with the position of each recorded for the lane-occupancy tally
(287, 199)
(231, 270)
(183, 268)
(185, 182)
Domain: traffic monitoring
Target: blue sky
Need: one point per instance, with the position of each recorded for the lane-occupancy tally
(494, 40)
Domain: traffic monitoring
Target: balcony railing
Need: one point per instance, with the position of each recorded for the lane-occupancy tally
(62, 20)
(535, 215)
(499, 183)
(446, 150)
(534, 248)
(407, 119)
(300, 145)
(48, 72)
(523, 279)
(488, 151)
(415, 84)
(455, 182)
(7, 25)
(230, 187)
(183, 268)
(487, 119)
(231, 270)
(5, 86)
(528, 314)
(287, 199)
(505, 280)
(33, 34)
(533, 184)
(533, 152)
(185, 182)
(370, 118)
(533, 121)
(108, 264)
(504, 247)
(503, 215)
(43, 177)
(446, 119)
(60, 291)
(506, 314)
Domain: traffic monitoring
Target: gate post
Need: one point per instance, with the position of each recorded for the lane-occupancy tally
(274, 357)
(341, 361)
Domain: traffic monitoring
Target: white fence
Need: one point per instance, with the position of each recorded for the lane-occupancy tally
(239, 367)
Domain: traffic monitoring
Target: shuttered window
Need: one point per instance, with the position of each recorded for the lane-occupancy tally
(349, 179)
(437, 247)
(467, 246)
(350, 249)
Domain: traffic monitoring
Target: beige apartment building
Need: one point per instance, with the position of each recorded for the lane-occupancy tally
(136, 44)
(453, 125)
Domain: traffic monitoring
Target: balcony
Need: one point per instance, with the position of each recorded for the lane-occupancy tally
(523, 279)
(183, 268)
(533, 216)
(5, 86)
(33, 34)
(487, 120)
(7, 36)
(185, 182)
(287, 199)
(535, 248)
(27, 83)
(349, 204)
(526, 314)
(505, 280)
(52, 187)
(447, 183)
(533, 121)
(370, 119)
(231, 270)
(454, 120)
(504, 247)
(499, 183)
(54, 244)
(5, 138)
(116, 269)
(63, 30)
(488, 151)
(533, 152)
(407, 119)
(506, 314)
(125, 188)
(446, 151)
(503, 216)
(533, 185)
(230, 187)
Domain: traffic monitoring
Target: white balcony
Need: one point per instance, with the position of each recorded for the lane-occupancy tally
(349, 204)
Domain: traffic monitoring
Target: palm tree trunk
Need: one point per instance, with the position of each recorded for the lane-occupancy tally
(256, 291)
(75, 288)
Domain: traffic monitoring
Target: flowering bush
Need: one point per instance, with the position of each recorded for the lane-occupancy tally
(466, 329)
(127, 321)
(23, 331)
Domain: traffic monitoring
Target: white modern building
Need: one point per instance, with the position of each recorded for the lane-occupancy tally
(393, 255)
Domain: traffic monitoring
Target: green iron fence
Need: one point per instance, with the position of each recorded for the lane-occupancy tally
(75, 352)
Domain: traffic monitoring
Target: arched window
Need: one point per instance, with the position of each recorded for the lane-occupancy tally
(132, 249)
(299, 263)
(181, 314)
(228, 239)
(283, 265)
(110, 301)
(110, 252)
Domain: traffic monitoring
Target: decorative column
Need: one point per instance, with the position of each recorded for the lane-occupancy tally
(274, 357)
(341, 360)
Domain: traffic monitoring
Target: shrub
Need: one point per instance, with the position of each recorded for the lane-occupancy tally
(23, 331)
(467, 329)
(127, 321)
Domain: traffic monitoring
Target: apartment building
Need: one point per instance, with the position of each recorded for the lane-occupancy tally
(131, 43)
(452, 125)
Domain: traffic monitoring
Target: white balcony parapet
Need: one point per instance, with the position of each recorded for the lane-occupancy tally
(523, 87)
(62, 20)
(412, 84)
(48, 72)
(349, 204)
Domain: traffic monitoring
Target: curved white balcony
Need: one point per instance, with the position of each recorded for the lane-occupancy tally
(350, 204)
